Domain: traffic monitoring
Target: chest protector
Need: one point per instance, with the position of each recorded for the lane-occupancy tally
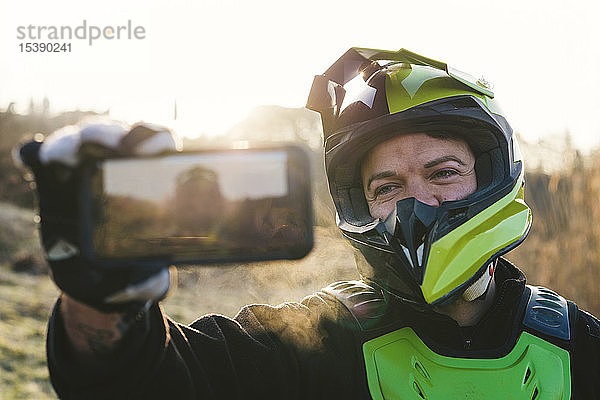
(399, 365)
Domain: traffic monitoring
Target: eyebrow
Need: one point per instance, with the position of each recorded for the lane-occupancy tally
(443, 159)
(432, 163)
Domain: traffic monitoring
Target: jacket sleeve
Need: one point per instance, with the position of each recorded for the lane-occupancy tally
(292, 351)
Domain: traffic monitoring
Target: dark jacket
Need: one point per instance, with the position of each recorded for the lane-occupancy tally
(306, 350)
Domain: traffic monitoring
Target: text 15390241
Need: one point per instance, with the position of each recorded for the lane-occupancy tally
(36, 47)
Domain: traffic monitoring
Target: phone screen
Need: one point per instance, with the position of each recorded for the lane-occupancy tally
(210, 206)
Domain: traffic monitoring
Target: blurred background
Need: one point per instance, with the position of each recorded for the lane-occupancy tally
(225, 71)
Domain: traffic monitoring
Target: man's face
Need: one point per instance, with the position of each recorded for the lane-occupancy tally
(432, 170)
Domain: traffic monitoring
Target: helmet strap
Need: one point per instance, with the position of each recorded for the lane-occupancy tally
(481, 285)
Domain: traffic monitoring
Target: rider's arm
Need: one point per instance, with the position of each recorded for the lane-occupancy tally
(293, 351)
(91, 333)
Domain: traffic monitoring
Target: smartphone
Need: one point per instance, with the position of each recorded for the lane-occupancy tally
(213, 206)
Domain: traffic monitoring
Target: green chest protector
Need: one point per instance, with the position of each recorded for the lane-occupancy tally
(400, 366)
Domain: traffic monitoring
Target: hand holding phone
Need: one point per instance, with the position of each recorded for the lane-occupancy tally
(118, 205)
(57, 166)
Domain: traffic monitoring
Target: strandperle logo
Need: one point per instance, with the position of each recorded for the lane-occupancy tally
(84, 31)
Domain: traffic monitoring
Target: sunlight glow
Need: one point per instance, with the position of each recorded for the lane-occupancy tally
(220, 59)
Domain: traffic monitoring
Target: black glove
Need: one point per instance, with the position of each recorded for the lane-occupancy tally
(54, 164)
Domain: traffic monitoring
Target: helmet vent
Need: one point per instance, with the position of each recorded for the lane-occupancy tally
(411, 222)
(333, 141)
(456, 215)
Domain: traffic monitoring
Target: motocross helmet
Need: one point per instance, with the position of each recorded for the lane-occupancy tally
(423, 254)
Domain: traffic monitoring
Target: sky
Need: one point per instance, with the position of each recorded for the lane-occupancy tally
(253, 175)
(218, 59)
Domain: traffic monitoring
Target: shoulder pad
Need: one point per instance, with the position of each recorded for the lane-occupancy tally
(547, 312)
(366, 304)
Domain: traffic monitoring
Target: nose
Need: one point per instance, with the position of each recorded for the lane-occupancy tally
(423, 192)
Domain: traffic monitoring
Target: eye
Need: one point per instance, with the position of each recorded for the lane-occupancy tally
(444, 174)
(385, 189)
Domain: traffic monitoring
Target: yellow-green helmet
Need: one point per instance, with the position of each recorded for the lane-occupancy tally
(420, 253)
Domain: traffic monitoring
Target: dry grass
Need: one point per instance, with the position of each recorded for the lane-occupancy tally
(562, 251)
(26, 303)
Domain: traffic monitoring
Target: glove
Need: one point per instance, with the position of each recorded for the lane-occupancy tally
(54, 163)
